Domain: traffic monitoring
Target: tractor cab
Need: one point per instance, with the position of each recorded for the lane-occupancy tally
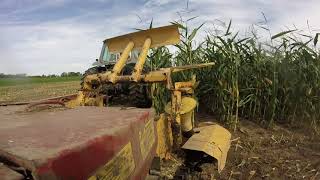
(110, 58)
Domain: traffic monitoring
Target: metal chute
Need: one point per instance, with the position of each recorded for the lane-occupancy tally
(213, 140)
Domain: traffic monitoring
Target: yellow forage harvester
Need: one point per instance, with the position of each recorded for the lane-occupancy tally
(176, 127)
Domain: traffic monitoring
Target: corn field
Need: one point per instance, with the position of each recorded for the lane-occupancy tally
(265, 82)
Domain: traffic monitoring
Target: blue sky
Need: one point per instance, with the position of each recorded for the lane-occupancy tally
(53, 36)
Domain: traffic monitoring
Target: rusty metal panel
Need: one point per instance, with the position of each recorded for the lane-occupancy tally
(8, 174)
(74, 143)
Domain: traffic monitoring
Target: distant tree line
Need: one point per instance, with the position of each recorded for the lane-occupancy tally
(23, 75)
(68, 74)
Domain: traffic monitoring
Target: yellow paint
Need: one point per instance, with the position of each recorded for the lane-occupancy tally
(83, 99)
(147, 138)
(155, 76)
(162, 75)
(179, 85)
(88, 81)
(161, 36)
(213, 140)
(165, 139)
(118, 168)
(186, 111)
(175, 116)
(187, 104)
(141, 60)
(78, 101)
(176, 105)
(121, 62)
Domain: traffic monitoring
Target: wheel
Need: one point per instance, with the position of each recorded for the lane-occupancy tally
(127, 93)
(140, 95)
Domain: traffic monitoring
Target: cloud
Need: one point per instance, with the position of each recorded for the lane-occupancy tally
(45, 37)
(50, 50)
(69, 44)
(20, 11)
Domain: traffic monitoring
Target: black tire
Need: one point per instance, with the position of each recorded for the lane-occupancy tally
(132, 94)
(140, 95)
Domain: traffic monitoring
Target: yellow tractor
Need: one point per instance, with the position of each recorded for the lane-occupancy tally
(116, 142)
(176, 126)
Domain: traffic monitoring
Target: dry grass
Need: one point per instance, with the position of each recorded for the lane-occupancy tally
(38, 91)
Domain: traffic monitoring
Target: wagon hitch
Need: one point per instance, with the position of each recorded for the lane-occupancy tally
(61, 100)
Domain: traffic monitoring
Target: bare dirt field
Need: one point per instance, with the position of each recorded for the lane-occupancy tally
(258, 153)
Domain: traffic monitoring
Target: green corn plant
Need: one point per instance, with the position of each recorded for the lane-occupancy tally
(277, 81)
(159, 58)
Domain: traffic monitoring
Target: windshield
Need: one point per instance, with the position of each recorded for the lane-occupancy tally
(110, 58)
(106, 57)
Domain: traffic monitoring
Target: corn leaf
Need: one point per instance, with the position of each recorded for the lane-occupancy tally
(281, 34)
(315, 40)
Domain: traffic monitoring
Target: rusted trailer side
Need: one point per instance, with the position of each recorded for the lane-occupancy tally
(82, 143)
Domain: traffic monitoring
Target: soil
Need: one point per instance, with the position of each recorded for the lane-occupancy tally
(256, 153)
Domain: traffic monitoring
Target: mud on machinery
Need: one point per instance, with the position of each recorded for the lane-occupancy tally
(134, 136)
